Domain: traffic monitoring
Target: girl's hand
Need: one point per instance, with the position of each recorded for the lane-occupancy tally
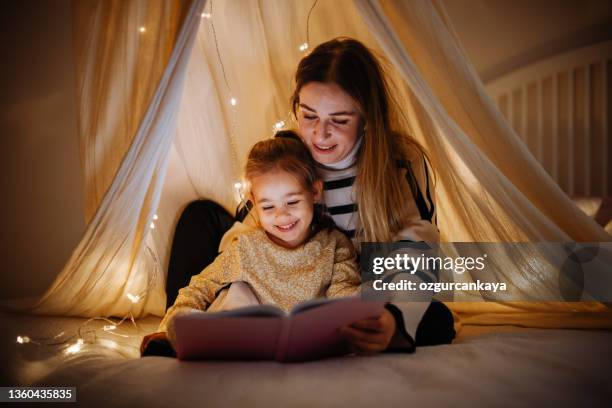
(370, 336)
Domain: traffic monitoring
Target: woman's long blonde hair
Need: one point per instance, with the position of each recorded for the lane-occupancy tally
(381, 200)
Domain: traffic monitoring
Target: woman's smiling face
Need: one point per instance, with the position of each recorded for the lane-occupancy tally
(328, 121)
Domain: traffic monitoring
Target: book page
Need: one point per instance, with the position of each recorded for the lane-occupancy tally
(310, 304)
(248, 311)
(314, 334)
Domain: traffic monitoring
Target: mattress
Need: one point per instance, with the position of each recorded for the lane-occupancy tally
(485, 366)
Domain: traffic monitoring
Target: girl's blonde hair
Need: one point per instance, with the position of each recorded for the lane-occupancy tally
(286, 152)
(381, 201)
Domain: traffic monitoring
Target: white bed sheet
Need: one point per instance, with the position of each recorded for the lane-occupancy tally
(485, 366)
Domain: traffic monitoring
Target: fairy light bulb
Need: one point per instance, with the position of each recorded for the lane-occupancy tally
(109, 327)
(152, 225)
(206, 15)
(155, 217)
(133, 298)
(239, 193)
(233, 101)
(304, 46)
(142, 29)
(279, 125)
(75, 348)
(23, 339)
(108, 343)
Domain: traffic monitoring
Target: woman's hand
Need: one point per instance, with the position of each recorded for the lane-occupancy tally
(370, 336)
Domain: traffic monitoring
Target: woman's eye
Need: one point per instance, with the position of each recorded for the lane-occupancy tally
(340, 122)
(293, 202)
(309, 117)
(267, 208)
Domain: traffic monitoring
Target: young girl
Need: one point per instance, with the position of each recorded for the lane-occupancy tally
(294, 254)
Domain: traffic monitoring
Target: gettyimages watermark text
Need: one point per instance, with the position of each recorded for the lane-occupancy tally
(543, 271)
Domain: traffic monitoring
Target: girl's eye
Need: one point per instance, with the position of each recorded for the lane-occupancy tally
(309, 117)
(293, 202)
(340, 122)
(267, 208)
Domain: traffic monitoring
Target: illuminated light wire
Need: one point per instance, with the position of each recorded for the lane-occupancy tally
(82, 333)
(233, 101)
(23, 339)
(308, 25)
(212, 25)
(76, 347)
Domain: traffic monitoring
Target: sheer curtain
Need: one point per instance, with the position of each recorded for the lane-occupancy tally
(131, 60)
(491, 189)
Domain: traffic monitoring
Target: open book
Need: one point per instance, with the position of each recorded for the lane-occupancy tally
(265, 332)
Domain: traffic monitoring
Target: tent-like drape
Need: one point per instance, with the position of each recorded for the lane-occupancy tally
(489, 187)
(418, 38)
(130, 79)
(118, 69)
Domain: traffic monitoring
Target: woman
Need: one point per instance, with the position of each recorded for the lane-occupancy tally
(373, 191)
(349, 121)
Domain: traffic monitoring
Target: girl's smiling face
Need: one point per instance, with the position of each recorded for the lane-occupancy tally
(285, 208)
(328, 121)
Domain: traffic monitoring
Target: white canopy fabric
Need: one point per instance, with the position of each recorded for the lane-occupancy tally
(157, 130)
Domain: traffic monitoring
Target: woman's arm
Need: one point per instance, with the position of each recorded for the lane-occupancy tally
(419, 226)
(395, 329)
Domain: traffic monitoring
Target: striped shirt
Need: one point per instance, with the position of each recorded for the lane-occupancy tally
(340, 201)
(339, 197)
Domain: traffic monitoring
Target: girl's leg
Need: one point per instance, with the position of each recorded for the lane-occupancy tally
(196, 243)
(238, 294)
(436, 326)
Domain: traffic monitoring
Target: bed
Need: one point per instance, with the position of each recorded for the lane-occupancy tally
(485, 366)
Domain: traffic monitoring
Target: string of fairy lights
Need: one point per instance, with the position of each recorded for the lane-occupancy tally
(74, 341)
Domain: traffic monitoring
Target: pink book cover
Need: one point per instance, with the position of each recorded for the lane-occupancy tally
(265, 332)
